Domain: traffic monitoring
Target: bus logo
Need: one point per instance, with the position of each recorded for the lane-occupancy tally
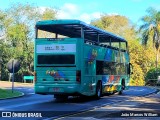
(56, 74)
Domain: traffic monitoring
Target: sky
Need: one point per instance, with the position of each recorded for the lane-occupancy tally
(87, 10)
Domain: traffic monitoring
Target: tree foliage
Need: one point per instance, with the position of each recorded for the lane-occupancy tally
(17, 35)
(151, 27)
(151, 30)
(49, 14)
(119, 25)
(142, 58)
(152, 76)
(17, 25)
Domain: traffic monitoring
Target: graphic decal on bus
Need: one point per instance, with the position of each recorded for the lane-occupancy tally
(114, 56)
(92, 56)
(110, 79)
(110, 82)
(56, 74)
(110, 55)
(105, 79)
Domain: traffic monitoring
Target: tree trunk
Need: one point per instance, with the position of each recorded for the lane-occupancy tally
(157, 55)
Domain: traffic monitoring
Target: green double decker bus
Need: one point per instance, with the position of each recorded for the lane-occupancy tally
(73, 58)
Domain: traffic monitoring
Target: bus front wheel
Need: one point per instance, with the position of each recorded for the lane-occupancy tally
(98, 90)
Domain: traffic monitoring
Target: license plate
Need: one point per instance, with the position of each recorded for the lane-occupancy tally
(56, 89)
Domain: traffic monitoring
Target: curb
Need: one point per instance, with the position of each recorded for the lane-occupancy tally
(157, 90)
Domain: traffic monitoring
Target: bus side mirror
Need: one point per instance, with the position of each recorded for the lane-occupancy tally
(130, 69)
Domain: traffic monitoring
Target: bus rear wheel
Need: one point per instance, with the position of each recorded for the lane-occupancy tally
(98, 90)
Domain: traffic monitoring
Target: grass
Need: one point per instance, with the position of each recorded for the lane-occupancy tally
(8, 93)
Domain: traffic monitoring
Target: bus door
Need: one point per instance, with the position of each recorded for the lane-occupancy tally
(90, 54)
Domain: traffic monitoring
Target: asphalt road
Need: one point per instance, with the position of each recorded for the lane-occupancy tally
(49, 108)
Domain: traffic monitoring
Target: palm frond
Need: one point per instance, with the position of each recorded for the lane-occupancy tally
(145, 37)
(158, 16)
(152, 12)
(143, 27)
(146, 19)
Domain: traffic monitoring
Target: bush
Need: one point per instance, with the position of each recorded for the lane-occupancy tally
(152, 76)
(137, 78)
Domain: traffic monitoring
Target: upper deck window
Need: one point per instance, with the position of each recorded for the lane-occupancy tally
(47, 34)
(117, 45)
(74, 29)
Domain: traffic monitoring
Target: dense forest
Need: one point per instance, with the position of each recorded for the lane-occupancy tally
(17, 39)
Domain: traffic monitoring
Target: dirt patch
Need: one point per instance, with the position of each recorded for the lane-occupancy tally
(7, 84)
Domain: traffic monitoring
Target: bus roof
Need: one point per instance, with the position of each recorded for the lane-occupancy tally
(72, 28)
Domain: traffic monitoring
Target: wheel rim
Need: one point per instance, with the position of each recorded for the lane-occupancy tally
(99, 92)
(123, 86)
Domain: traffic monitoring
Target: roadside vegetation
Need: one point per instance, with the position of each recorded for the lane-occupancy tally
(143, 41)
(8, 93)
(17, 38)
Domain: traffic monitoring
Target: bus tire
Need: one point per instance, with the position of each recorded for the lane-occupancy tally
(122, 87)
(98, 90)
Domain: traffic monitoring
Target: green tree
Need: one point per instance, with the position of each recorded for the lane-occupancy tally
(151, 76)
(142, 60)
(151, 29)
(6, 53)
(119, 25)
(49, 14)
(17, 25)
(140, 57)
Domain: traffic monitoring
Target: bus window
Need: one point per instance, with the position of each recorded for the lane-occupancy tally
(123, 69)
(115, 44)
(99, 67)
(56, 59)
(46, 34)
(123, 45)
(110, 68)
